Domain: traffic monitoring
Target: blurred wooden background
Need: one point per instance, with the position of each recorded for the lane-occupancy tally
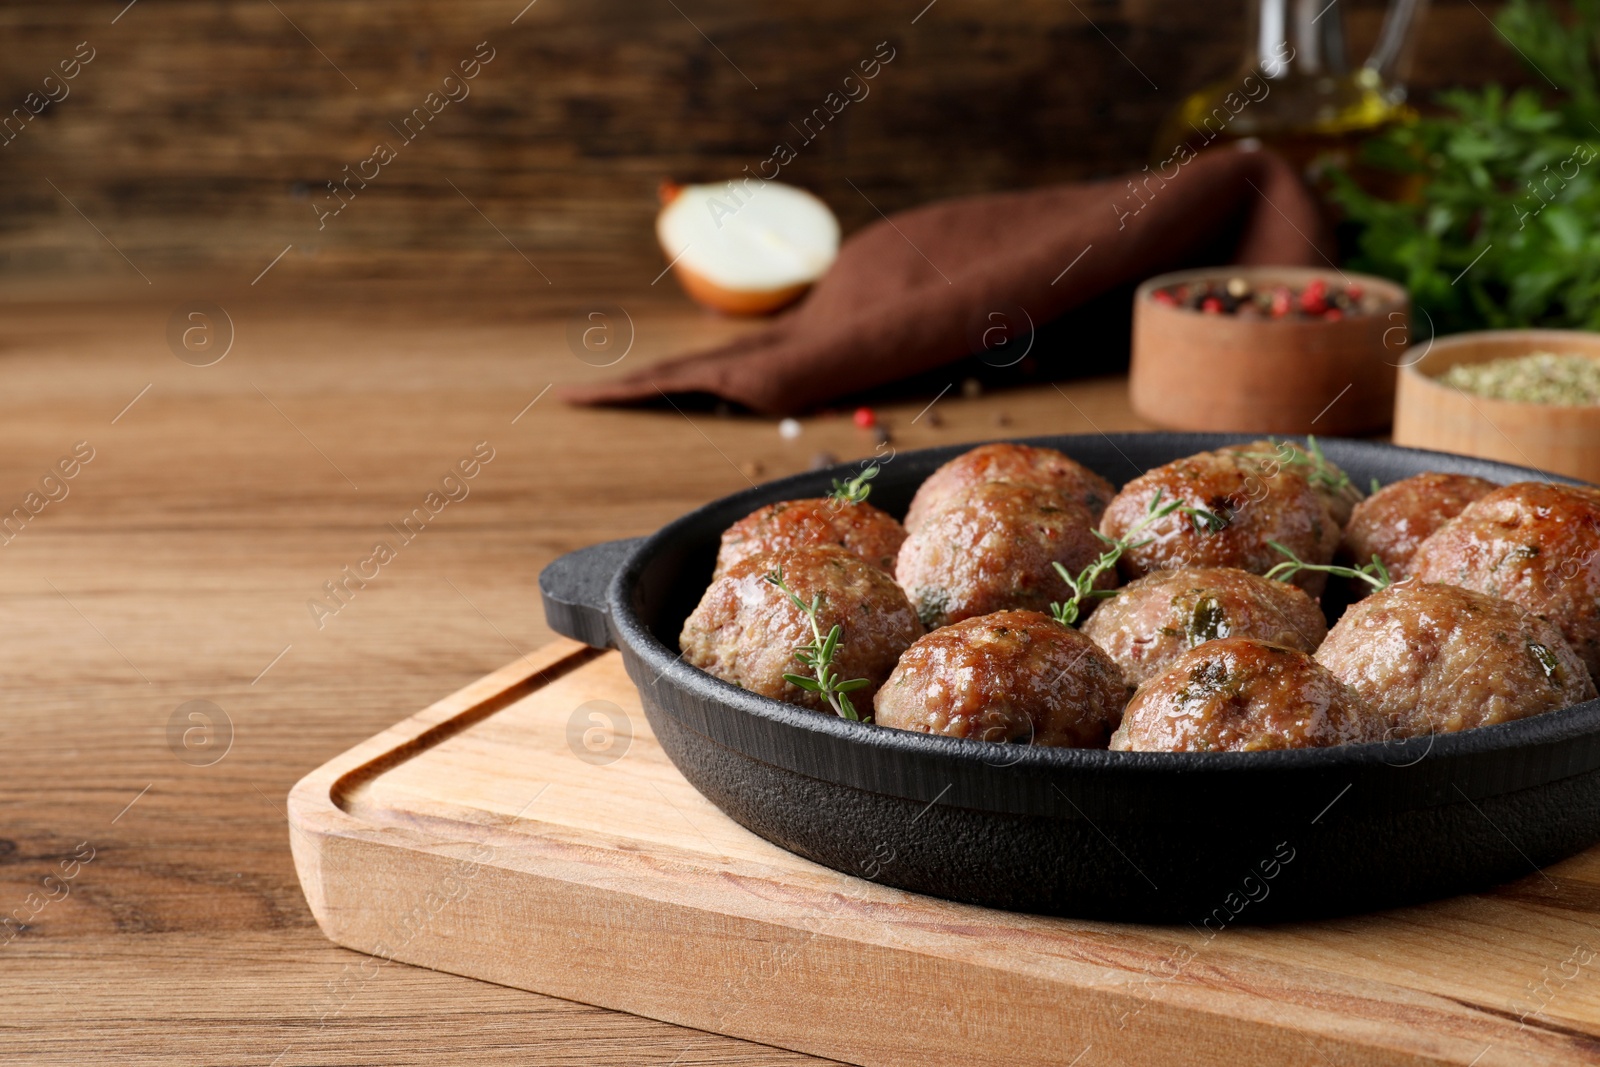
(203, 131)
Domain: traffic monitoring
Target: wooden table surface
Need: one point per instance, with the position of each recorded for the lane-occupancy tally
(154, 914)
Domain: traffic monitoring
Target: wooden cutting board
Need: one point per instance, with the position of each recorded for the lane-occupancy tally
(528, 831)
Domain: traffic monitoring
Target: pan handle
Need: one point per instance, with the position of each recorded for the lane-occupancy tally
(574, 586)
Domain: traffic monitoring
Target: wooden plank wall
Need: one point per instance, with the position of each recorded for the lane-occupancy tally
(201, 134)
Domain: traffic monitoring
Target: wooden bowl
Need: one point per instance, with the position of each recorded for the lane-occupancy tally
(1563, 439)
(1193, 371)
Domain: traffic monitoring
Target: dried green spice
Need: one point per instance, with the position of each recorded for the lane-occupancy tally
(1547, 662)
(1537, 378)
(1208, 622)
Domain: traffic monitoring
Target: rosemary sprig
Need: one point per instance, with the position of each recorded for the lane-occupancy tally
(1082, 585)
(854, 490)
(1374, 574)
(818, 656)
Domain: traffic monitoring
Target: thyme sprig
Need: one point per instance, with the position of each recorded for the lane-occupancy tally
(1374, 574)
(854, 490)
(1315, 466)
(818, 657)
(1082, 585)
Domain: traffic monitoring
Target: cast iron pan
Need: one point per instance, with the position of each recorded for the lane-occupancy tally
(1209, 838)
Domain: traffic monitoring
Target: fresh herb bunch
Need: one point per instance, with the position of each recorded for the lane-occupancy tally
(1082, 585)
(818, 656)
(854, 490)
(1374, 574)
(1504, 227)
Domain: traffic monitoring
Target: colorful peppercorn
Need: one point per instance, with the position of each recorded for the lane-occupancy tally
(1318, 299)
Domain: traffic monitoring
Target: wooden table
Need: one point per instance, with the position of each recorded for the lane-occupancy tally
(178, 567)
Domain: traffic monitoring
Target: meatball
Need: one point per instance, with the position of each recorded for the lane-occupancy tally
(1254, 501)
(1392, 522)
(1327, 480)
(1012, 676)
(1151, 621)
(1004, 462)
(860, 528)
(746, 629)
(1243, 695)
(1434, 658)
(990, 548)
(1533, 543)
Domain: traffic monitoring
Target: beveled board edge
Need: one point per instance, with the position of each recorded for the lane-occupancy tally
(845, 998)
(315, 806)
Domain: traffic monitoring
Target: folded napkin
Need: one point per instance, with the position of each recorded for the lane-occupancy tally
(912, 291)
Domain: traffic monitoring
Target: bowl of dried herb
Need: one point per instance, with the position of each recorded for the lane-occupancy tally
(1523, 396)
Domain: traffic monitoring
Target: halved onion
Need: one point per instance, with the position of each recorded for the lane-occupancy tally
(746, 248)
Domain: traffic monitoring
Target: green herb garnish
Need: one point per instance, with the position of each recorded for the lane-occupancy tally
(1547, 663)
(818, 656)
(855, 490)
(1207, 622)
(1310, 461)
(1082, 585)
(1374, 574)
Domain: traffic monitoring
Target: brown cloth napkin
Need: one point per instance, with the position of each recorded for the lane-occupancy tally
(906, 292)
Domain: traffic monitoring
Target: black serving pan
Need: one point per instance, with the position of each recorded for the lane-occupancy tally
(1210, 838)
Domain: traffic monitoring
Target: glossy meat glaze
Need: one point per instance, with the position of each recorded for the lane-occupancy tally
(859, 528)
(1151, 621)
(1242, 695)
(1006, 462)
(745, 630)
(990, 548)
(1536, 544)
(1433, 658)
(1013, 676)
(1393, 522)
(1259, 500)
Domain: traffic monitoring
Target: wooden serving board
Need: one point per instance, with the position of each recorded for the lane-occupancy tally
(519, 833)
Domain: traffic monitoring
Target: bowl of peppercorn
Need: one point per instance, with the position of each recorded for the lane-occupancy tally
(1269, 349)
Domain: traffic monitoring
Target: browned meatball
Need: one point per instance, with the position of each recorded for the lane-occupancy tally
(1436, 659)
(1392, 522)
(745, 629)
(1326, 479)
(1241, 695)
(872, 534)
(1533, 543)
(1005, 462)
(1259, 501)
(990, 548)
(1012, 676)
(1151, 621)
